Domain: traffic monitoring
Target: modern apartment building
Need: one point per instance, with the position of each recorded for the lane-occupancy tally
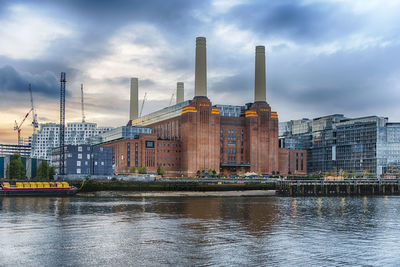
(84, 159)
(76, 133)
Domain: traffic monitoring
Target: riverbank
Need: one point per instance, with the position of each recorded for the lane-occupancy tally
(111, 194)
(176, 186)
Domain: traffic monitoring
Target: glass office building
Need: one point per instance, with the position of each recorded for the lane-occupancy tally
(336, 143)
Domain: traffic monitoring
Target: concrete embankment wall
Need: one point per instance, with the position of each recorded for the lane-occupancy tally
(94, 185)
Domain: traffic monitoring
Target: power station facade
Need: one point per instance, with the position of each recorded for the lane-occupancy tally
(196, 135)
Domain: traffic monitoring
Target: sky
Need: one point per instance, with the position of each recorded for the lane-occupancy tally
(322, 56)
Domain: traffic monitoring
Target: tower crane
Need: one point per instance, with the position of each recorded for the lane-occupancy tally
(82, 103)
(34, 115)
(17, 126)
(141, 108)
(172, 97)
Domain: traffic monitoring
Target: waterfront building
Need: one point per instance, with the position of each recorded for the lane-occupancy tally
(195, 135)
(355, 145)
(9, 150)
(76, 133)
(84, 160)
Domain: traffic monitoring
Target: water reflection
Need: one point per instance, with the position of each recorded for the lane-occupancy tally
(199, 231)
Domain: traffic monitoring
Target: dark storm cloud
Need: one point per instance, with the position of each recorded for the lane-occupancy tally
(313, 22)
(13, 81)
(345, 81)
(100, 19)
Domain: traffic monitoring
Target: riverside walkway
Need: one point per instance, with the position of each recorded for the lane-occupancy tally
(321, 187)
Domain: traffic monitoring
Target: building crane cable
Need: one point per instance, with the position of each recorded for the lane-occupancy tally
(34, 115)
(141, 108)
(82, 103)
(172, 97)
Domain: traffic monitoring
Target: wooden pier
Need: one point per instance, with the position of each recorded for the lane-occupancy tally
(347, 187)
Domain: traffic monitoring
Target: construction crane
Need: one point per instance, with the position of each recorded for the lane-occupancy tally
(172, 97)
(82, 103)
(62, 124)
(141, 108)
(34, 115)
(17, 126)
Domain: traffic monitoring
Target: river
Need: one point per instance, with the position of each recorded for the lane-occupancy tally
(200, 231)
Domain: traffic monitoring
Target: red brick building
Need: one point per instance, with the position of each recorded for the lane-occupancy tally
(193, 136)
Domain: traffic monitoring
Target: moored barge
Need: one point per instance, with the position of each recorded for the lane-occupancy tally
(37, 189)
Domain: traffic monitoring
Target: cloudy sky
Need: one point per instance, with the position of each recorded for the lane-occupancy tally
(323, 56)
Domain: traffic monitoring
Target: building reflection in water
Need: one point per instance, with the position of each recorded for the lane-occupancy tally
(294, 207)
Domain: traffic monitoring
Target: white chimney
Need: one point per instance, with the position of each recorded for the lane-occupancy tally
(134, 106)
(200, 80)
(179, 92)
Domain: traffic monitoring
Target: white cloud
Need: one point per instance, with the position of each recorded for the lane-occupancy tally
(27, 32)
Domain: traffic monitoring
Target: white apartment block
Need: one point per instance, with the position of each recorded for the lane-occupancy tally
(76, 133)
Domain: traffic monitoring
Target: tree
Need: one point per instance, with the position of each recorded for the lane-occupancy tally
(353, 174)
(142, 170)
(214, 173)
(198, 173)
(16, 170)
(133, 169)
(52, 172)
(366, 173)
(160, 170)
(210, 171)
(45, 172)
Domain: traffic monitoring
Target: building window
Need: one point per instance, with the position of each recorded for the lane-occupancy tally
(79, 148)
(78, 163)
(136, 154)
(301, 162)
(297, 161)
(78, 171)
(79, 156)
(128, 154)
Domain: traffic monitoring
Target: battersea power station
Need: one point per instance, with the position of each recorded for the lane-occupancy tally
(197, 135)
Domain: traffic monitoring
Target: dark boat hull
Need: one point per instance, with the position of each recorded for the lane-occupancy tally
(40, 192)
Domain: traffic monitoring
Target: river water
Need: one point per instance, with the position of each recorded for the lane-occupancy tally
(200, 231)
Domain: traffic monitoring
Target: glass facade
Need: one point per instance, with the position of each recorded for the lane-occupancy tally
(128, 132)
(336, 143)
